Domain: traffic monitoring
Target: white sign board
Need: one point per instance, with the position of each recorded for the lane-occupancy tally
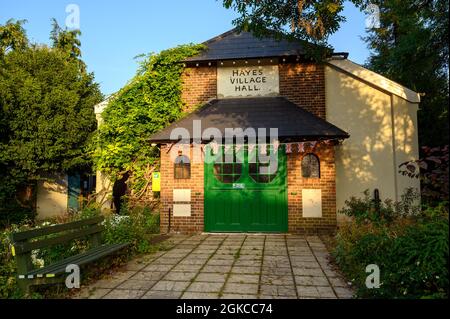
(181, 195)
(181, 210)
(242, 81)
(312, 202)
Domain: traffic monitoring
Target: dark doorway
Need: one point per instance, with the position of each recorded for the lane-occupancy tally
(119, 190)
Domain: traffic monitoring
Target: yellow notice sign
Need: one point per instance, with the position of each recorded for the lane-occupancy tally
(156, 182)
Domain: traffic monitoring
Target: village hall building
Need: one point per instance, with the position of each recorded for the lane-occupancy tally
(341, 129)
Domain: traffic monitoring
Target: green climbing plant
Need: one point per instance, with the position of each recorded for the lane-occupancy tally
(147, 104)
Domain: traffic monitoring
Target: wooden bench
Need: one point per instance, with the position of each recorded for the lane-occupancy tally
(23, 243)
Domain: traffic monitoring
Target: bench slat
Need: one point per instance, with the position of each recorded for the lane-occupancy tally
(72, 259)
(33, 233)
(68, 260)
(79, 260)
(29, 246)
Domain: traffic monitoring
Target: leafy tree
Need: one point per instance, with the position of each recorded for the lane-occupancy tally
(66, 40)
(12, 36)
(310, 20)
(46, 116)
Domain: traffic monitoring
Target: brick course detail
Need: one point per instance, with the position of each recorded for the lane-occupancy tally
(199, 86)
(304, 85)
(191, 224)
(326, 183)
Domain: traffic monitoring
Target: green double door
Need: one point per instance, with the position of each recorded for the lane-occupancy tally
(244, 192)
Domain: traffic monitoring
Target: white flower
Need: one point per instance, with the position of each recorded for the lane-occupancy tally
(117, 219)
(37, 261)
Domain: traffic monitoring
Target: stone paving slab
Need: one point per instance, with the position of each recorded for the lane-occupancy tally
(168, 285)
(238, 296)
(244, 279)
(205, 287)
(211, 277)
(124, 294)
(235, 266)
(152, 294)
(137, 284)
(278, 291)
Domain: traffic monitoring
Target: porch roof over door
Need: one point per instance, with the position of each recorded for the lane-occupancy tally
(293, 122)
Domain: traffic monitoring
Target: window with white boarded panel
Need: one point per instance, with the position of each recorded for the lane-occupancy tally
(312, 203)
(180, 198)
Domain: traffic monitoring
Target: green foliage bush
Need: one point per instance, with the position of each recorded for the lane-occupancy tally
(47, 115)
(12, 213)
(8, 284)
(411, 250)
(367, 210)
(137, 227)
(147, 104)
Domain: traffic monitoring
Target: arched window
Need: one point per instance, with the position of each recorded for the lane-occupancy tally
(310, 166)
(182, 167)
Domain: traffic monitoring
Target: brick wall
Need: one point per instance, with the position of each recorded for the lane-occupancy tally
(326, 182)
(304, 84)
(199, 86)
(296, 222)
(191, 224)
(301, 83)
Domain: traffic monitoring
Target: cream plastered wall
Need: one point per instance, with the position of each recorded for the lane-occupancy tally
(103, 185)
(367, 159)
(406, 139)
(103, 190)
(51, 200)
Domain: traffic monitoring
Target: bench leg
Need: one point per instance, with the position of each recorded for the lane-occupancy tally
(24, 286)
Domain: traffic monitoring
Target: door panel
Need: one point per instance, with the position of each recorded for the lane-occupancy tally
(239, 200)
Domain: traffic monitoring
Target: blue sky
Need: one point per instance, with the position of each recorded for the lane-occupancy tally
(114, 32)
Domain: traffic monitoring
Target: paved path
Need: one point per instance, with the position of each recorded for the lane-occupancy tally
(228, 266)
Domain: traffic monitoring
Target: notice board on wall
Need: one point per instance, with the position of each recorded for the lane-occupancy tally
(247, 81)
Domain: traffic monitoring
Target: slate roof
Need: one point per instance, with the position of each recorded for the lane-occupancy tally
(293, 122)
(244, 45)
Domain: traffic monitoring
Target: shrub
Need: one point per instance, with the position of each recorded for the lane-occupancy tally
(411, 250)
(367, 210)
(137, 227)
(13, 213)
(8, 284)
(8, 271)
(432, 170)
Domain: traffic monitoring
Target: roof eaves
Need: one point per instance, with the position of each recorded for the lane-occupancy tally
(375, 79)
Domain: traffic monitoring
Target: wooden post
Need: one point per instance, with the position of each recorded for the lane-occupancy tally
(24, 265)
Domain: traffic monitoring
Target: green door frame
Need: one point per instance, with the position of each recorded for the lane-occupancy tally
(238, 203)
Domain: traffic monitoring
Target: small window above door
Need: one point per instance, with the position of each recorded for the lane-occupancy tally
(182, 167)
(310, 166)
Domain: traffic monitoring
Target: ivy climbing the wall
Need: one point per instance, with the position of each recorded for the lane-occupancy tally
(147, 104)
